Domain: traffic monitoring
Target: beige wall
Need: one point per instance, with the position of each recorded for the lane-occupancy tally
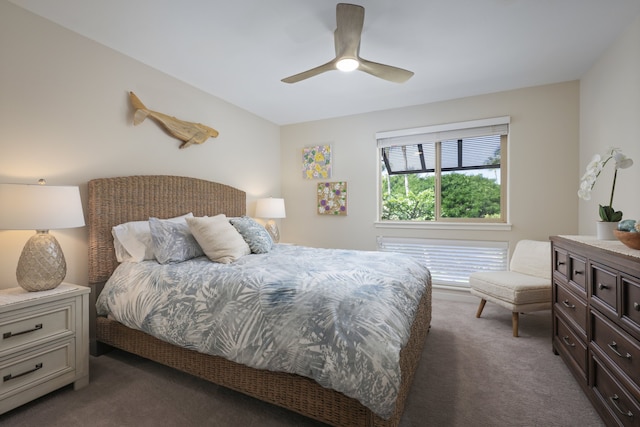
(543, 165)
(610, 116)
(65, 116)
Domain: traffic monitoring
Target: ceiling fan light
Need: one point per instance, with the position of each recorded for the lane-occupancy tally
(347, 64)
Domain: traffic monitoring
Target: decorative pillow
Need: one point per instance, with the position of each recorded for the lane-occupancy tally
(173, 241)
(219, 240)
(132, 240)
(256, 236)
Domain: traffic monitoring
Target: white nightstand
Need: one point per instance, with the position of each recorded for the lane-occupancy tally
(44, 342)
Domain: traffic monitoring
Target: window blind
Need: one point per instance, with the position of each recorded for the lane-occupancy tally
(450, 261)
(430, 134)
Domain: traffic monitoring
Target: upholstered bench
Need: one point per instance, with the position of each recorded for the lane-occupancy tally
(525, 287)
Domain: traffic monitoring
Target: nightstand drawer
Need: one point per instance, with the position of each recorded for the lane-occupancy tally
(31, 326)
(44, 342)
(32, 368)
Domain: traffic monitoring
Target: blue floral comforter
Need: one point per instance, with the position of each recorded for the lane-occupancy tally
(339, 317)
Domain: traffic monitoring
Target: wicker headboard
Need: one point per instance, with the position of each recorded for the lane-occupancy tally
(114, 201)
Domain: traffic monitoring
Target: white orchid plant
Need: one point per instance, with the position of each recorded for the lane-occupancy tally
(594, 168)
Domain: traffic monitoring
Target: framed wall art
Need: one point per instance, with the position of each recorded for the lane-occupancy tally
(332, 198)
(316, 162)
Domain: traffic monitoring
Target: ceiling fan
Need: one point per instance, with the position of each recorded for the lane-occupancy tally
(349, 20)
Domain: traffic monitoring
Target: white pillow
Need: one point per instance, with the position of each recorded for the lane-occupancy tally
(132, 240)
(219, 240)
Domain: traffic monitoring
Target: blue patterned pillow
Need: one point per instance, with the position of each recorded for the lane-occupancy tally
(173, 241)
(253, 233)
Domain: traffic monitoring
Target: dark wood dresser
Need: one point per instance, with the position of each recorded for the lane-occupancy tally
(596, 322)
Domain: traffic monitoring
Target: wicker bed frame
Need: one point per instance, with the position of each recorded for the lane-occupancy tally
(114, 201)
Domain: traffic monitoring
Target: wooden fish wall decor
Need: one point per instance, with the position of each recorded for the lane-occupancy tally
(190, 133)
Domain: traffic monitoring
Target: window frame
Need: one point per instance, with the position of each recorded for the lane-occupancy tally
(437, 134)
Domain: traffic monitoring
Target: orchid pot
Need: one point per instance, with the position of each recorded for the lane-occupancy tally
(609, 217)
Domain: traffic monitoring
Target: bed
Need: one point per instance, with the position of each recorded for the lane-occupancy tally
(114, 201)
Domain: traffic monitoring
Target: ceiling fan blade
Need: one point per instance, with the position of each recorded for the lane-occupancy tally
(386, 72)
(349, 20)
(331, 65)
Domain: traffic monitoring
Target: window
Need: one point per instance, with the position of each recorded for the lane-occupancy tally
(453, 172)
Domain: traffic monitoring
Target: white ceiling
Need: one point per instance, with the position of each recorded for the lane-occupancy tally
(238, 50)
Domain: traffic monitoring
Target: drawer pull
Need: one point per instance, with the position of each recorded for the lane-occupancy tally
(614, 347)
(566, 341)
(636, 306)
(602, 286)
(567, 304)
(13, 377)
(561, 263)
(614, 400)
(577, 272)
(13, 334)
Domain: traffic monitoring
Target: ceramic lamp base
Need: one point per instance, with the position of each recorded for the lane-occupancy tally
(41, 265)
(272, 228)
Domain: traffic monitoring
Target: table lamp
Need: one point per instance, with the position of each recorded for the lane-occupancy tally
(42, 208)
(269, 209)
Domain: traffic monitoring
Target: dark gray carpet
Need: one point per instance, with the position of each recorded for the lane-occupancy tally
(472, 373)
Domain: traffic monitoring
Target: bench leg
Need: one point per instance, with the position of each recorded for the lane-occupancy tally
(514, 321)
(481, 307)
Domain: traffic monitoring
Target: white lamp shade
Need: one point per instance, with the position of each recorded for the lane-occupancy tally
(39, 207)
(270, 208)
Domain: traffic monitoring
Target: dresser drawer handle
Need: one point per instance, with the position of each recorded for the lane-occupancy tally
(636, 306)
(614, 400)
(561, 263)
(13, 377)
(566, 341)
(614, 347)
(577, 272)
(13, 334)
(568, 304)
(602, 286)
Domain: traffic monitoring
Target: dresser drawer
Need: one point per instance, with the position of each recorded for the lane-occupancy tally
(602, 280)
(27, 327)
(571, 306)
(560, 262)
(577, 272)
(631, 303)
(604, 287)
(37, 366)
(618, 346)
(571, 345)
(622, 407)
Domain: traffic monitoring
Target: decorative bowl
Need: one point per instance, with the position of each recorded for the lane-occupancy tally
(630, 239)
